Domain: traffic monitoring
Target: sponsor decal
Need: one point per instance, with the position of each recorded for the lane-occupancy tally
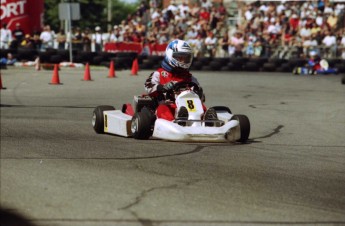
(164, 74)
(28, 13)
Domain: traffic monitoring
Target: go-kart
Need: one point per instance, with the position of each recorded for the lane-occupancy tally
(308, 70)
(140, 122)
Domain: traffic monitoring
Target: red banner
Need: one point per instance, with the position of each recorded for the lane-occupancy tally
(123, 47)
(29, 13)
(154, 49)
(157, 49)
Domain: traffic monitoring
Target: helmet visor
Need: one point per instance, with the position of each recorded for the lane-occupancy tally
(183, 58)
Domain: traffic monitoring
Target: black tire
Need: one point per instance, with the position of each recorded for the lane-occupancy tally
(216, 66)
(343, 80)
(269, 67)
(97, 60)
(98, 118)
(196, 65)
(206, 68)
(142, 124)
(55, 59)
(250, 66)
(244, 127)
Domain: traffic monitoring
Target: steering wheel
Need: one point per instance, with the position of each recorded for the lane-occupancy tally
(186, 85)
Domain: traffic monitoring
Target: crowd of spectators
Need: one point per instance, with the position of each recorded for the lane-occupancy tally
(259, 29)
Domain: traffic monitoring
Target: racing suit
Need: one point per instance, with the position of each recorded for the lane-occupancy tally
(154, 87)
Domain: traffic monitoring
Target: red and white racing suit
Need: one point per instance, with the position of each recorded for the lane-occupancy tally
(153, 86)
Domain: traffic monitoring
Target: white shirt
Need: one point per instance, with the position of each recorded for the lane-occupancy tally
(319, 20)
(211, 41)
(305, 32)
(155, 15)
(6, 35)
(97, 38)
(280, 8)
(105, 37)
(248, 14)
(329, 40)
(173, 8)
(183, 8)
(46, 37)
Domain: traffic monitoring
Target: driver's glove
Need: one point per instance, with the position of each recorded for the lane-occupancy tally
(166, 87)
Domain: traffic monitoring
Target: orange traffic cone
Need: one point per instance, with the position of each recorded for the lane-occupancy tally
(87, 75)
(135, 67)
(37, 64)
(112, 73)
(55, 78)
(1, 87)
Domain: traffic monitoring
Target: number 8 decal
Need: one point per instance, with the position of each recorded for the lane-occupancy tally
(190, 105)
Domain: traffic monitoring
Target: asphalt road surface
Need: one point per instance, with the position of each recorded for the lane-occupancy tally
(55, 170)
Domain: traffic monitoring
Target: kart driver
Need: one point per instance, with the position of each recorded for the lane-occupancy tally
(174, 68)
(314, 62)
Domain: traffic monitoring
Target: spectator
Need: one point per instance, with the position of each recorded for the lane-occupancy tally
(155, 17)
(173, 7)
(319, 19)
(332, 21)
(305, 32)
(37, 41)
(204, 16)
(211, 44)
(78, 39)
(206, 4)
(222, 10)
(294, 23)
(116, 35)
(9, 60)
(140, 28)
(87, 40)
(184, 9)
(18, 33)
(191, 33)
(258, 48)
(97, 39)
(5, 37)
(106, 36)
(224, 43)
(237, 44)
(46, 38)
(27, 42)
(194, 11)
(308, 45)
(215, 18)
(61, 39)
(248, 15)
(329, 44)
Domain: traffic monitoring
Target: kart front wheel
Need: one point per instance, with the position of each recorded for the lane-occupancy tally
(244, 127)
(141, 126)
(98, 117)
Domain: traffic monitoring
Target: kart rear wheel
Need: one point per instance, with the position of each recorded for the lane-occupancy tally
(244, 127)
(98, 118)
(141, 125)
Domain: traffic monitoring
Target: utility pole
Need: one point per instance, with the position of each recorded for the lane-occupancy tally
(109, 14)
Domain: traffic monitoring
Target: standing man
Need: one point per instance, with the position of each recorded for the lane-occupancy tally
(97, 39)
(18, 33)
(5, 37)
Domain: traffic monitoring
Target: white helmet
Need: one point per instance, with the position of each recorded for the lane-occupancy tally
(179, 54)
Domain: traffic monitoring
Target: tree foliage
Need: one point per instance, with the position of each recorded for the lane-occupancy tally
(92, 13)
